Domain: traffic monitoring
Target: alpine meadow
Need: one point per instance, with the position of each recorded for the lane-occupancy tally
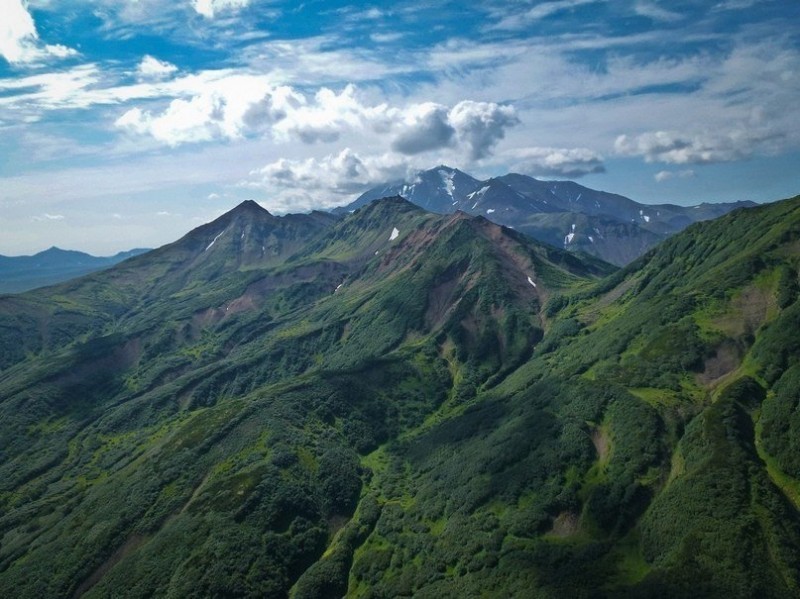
(387, 345)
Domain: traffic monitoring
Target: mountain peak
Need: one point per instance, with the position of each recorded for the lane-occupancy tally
(250, 206)
(390, 204)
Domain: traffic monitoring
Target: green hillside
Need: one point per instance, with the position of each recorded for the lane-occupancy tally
(397, 403)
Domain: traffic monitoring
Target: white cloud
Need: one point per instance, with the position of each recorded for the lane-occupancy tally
(651, 10)
(537, 13)
(480, 125)
(241, 106)
(328, 116)
(662, 176)
(19, 41)
(217, 111)
(152, 68)
(386, 38)
(673, 147)
(736, 4)
(424, 127)
(556, 162)
(209, 8)
(46, 217)
(325, 182)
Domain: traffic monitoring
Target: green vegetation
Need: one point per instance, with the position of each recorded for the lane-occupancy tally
(314, 407)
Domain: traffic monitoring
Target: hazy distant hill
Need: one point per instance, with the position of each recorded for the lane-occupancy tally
(399, 403)
(562, 213)
(20, 273)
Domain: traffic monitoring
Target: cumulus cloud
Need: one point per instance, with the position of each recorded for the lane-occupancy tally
(314, 183)
(480, 125)
(152, 68)
(216, 112)
(700, 148)
(424, 127)
(274, 106)
(662, 176)
(209, 8)
(328, 116)
(19, 41)
(557, 162)
(475, 127)
(242, 106)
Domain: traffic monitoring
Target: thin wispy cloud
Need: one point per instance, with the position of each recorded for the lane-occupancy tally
(653, 11)
(522, 19)
(662, 176)
(303, 106)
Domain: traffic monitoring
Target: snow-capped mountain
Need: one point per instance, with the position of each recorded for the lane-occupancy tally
(562, 213)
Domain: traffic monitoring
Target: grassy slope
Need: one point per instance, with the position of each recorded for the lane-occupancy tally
(410, 416)
(202, 431)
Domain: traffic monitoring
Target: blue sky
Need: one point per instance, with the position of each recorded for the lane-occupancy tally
(124, 123)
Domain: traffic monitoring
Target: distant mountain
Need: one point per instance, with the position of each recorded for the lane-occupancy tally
(20, 273)
(563, 213)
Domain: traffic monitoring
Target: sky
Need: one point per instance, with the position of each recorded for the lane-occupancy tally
(125, 123)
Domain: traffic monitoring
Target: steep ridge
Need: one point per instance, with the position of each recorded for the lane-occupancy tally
(646, 449)
(181, 277)
(217, 396)
(54, 265)
(562, 213)
(419, 405)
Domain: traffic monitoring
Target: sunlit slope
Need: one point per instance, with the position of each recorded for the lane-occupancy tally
(646, 449)
(407, 404)
(206, 425)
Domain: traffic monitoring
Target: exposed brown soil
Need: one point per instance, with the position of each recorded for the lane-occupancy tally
(726, 359)
(601, 443)
(565, 525)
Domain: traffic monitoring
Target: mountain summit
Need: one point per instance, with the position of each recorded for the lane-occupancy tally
(561, 213)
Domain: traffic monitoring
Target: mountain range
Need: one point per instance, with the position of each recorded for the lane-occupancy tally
(54, 265)
(561, 213)
(396, 402)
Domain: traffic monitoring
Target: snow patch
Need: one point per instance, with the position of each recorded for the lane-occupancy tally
(447, 179)
(394, 234)
(591, 239)
(490, 210)
(573, 227)
(568, 239)
(646, 218)
(473, 206)
(208, 247)
(531, 282)
(480, 193)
